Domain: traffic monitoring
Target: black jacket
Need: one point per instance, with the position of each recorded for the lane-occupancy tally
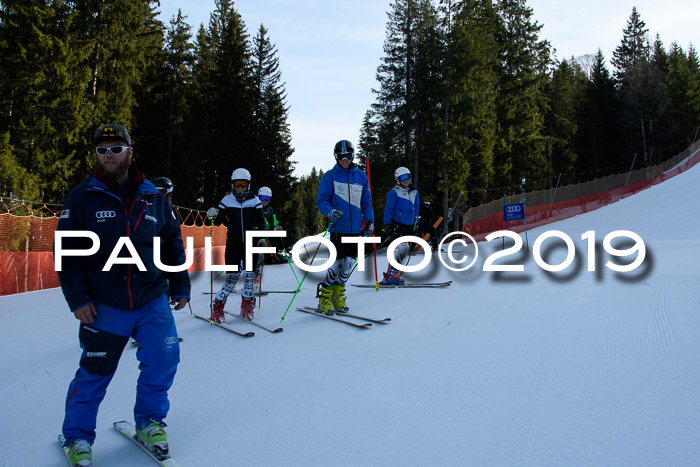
(239, 216)
(140, 214)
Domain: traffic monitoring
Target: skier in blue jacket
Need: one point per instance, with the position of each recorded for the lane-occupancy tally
(117, 201)
(344, 198)
(401, 217)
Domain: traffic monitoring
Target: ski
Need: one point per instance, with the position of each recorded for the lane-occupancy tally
(406, 286)
(314, 311)
(279, 291)
(128, 430)
(255, 323)
(223, 326)
(372, 320)
(264, 292)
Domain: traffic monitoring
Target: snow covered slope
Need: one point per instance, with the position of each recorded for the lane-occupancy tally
(528, 368)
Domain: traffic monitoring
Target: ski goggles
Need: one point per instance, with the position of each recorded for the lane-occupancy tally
(102, 150)
(240, 183)
(165, 190)
(404, 177)
(265, 198)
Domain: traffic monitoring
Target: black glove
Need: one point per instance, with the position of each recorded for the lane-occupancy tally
(367, 231)
(334, 216)
(393, 230)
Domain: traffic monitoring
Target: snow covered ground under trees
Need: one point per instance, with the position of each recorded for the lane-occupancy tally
(512, 368)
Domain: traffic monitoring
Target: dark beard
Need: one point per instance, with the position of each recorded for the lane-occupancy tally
(121, 170)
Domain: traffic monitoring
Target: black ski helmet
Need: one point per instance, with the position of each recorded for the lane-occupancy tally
(344, 147)
(164, 185)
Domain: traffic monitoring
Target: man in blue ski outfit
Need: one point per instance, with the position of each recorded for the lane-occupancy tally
(343, 197)
(117, 201)
(401, 216)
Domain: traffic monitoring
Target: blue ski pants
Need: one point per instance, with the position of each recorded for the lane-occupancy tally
(153, 328)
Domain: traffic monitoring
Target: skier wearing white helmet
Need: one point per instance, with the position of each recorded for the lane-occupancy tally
(271, 223)
(400, 217)
(240, 212)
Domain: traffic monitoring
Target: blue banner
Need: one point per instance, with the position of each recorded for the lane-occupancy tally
(513, 212)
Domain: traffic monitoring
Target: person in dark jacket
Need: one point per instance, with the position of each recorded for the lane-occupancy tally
(425, 223)
(271, 223)
(240, 211)
(165, 186)
(117, 201)
(344, 198)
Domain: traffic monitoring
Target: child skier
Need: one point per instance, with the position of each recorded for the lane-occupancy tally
(240, 212)
(265, 196)
(401, 215)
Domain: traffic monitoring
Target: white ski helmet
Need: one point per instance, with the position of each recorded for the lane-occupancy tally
(240, 174)
(401, 171)
(265, 191)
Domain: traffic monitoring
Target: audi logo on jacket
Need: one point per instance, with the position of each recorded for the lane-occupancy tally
(141, 215)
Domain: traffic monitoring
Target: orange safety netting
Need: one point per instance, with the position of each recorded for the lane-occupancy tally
(27, 235)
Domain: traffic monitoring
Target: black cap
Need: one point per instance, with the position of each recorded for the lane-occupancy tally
(112, 132)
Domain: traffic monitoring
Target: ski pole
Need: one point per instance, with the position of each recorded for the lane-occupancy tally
(211, 273)
(286, 257)
(305, 274)
(374, 247)
(262, 267)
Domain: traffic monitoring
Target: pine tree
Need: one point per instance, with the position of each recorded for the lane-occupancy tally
(521, 102)
(406, 118)
(633, 48)
(643, 92)
(44, 109)
(199, 145)
(233, 145)
(694, 93)
(684, 93)
(221, 104)
(163, 111)
(271, 130)
(566, 92)
(470, 104)
(598, 142)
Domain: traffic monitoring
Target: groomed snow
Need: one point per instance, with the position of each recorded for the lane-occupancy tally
(532, 368)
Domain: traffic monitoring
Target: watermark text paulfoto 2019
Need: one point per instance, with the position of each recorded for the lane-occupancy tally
(460, 260)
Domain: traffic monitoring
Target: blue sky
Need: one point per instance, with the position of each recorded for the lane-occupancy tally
(329, 52)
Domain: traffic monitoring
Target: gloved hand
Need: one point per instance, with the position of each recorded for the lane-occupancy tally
(334, 216)
(278, 227)
(367, 231)
(212, 212)
(393, 230)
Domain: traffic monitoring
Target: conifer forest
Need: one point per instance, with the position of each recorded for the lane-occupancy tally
(469, 97)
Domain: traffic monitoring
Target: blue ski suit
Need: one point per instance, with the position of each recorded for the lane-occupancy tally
(129, 302)
(346, 190)
(402, 207)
